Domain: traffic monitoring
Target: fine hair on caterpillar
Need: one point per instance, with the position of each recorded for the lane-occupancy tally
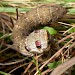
(40, 16)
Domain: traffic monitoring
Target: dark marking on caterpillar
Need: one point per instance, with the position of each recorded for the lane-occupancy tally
(40, 16)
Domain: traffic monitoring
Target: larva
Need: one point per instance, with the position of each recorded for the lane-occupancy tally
(40, 16)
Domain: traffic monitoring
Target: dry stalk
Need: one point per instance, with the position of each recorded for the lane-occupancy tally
(63, 67)
(54, 56)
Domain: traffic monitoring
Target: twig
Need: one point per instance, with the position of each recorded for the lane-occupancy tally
(1, 43)
(5, 35)
(30, 64)
(17, 13)
(55, 55)
(69, 48)
(36, 62)
(67, 30)
(63, 67)
(3, 22)
(66, 37)
(7, 45)
(4, 49)
(12, 21)
(64, 23)
(18, 67)
(11, 63)
(46, 71)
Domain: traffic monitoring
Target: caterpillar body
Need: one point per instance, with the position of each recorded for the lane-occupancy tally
(42, 15)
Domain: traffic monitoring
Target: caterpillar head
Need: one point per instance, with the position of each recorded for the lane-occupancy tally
(37, 41)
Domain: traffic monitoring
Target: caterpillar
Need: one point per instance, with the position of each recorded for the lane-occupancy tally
(39, 16)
